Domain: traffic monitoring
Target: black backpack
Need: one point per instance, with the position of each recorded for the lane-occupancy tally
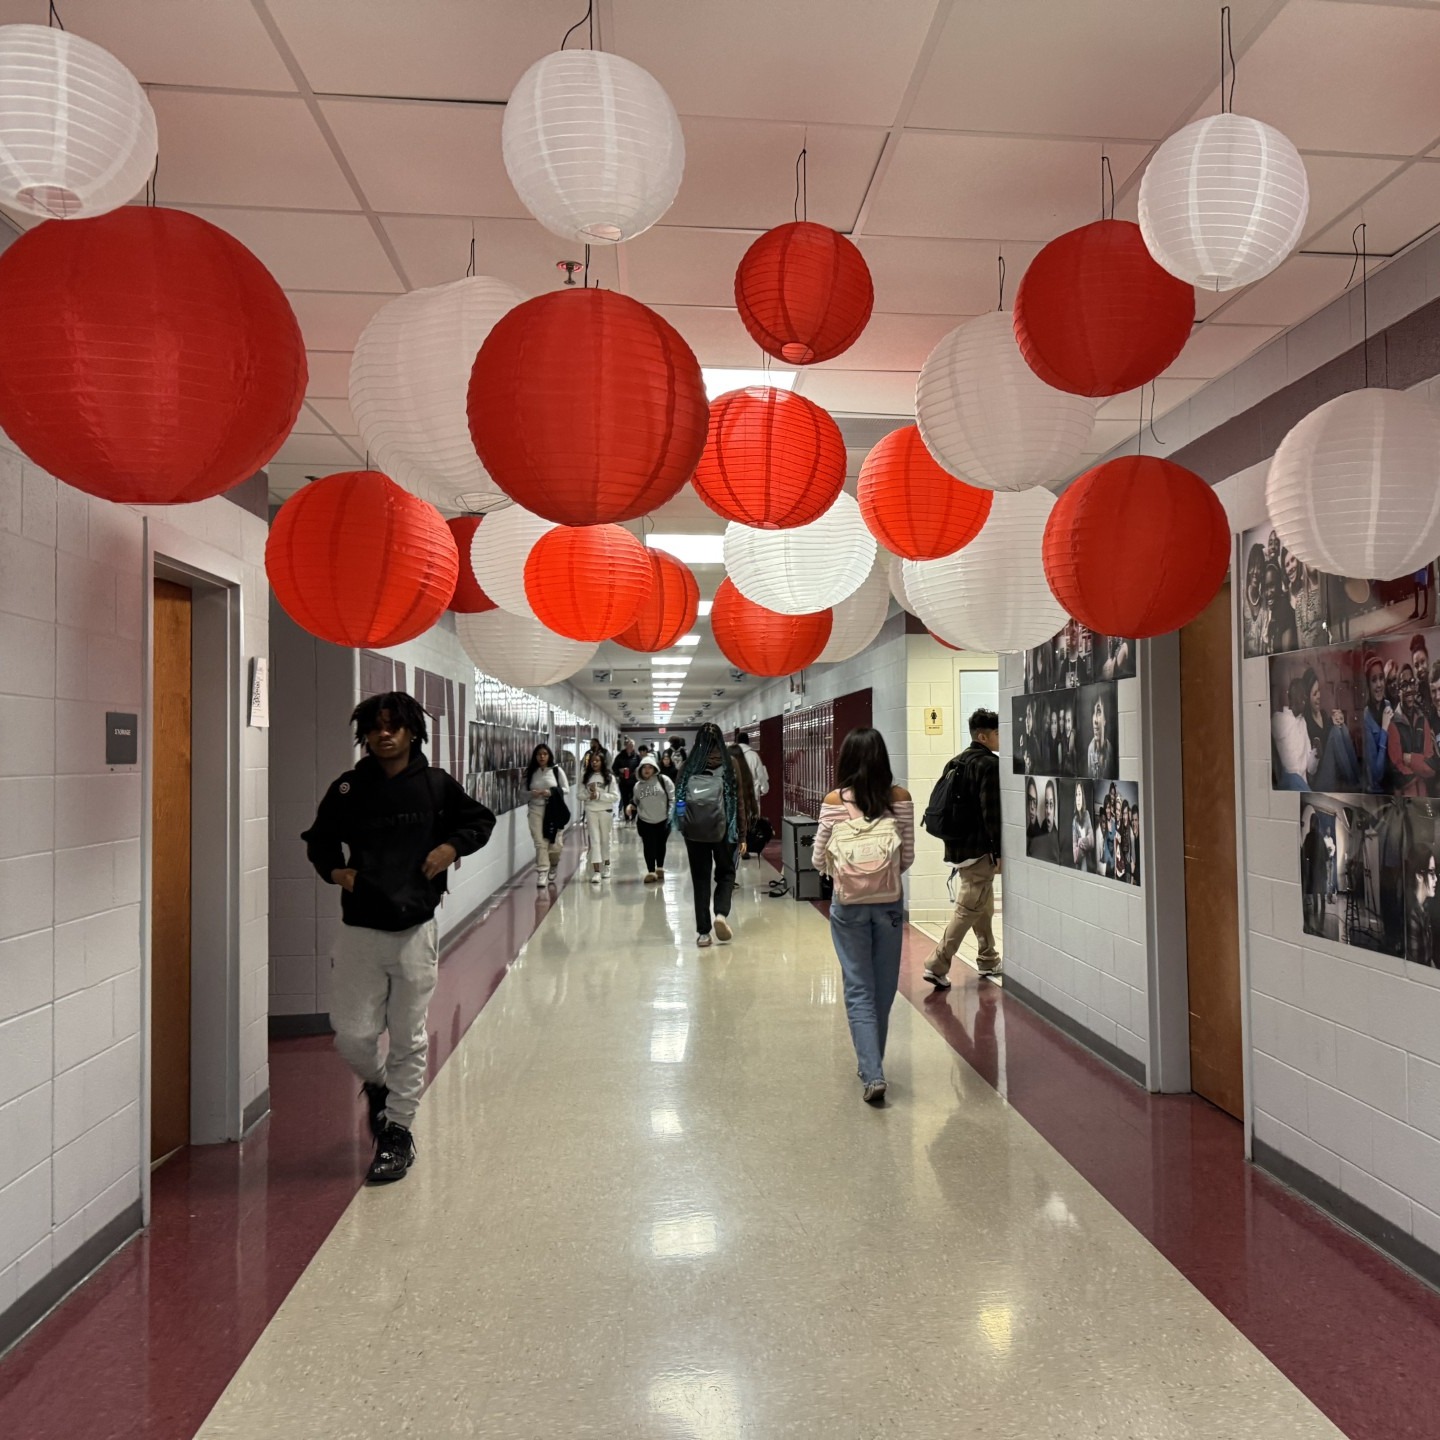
(941, 817)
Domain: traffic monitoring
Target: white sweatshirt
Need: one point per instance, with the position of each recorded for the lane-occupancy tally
(595, 797)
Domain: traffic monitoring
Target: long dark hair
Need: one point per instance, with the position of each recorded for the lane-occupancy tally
(586, 768)
(864, 769)
(535, 765)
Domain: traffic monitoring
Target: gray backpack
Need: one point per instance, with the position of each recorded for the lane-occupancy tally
(703, 818)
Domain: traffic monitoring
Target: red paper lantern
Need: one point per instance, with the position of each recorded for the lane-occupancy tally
(804, 293)
(587, 583)
(149, 357)
(669, 610)
(1137, 546)
(940, 640)
(1095, 315)
(912, 506)
(763, 642)
(773, 460)
(587, 408)
(469, 598)
(358, 561)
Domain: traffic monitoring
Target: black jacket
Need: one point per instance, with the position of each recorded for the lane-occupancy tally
(389, 827)
(975, 811)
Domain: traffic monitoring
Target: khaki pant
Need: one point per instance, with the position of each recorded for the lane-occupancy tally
(974, 910)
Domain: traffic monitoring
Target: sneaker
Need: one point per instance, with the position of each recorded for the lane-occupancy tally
(394, 1155)
(375, 1098)
(703, 941)
(542, 879)
(985, 969)
(940, 982)
(651, 877)
(605, 870)
(723, 933)
(875, 1093)
(594, 877)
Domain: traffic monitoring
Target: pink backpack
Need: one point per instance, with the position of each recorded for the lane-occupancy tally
(864, 858)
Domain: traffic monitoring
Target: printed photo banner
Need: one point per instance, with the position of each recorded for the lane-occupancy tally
(1067, 733)
(1078, 656)
(1085, 825)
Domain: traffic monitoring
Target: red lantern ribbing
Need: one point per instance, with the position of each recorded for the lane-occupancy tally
(762, 642)
(913, 507)
(669, 610)
(1137, 506)
(804, 292)
(358, 561)
(469, 598)
(149, 357)
(1095, 315)
(587, 583)
(587, 407)
(773, 460)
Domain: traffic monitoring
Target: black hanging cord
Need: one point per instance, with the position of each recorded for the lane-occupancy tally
(1107, 185)
(470, 268)
(1154, 385)
(55, 21)
(1000, 259)
(1362, 263)
(152, 185)
(588, 18)
(802, 181)
(1227, 48)
(587, 267)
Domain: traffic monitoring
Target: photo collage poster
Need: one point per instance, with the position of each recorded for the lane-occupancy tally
(511, 724)
(1354, 708)
(1066, 742)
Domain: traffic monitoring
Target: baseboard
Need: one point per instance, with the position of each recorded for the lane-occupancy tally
(255, 1112)
(292, 1027)
(1107, 1050)
(41, 1298)
(1384, 1235)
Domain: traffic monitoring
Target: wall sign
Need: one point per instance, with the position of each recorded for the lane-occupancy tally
(122, 738)
(260, 692)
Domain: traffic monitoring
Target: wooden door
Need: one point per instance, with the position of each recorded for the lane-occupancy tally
(1212, 923)
(170, 875)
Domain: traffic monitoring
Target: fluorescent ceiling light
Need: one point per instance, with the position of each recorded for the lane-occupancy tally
(670, 662)
(693, 639)
(692, 549)
(718, 381)
(704, 606)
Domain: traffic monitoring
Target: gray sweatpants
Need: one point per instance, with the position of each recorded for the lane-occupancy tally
(382, 980)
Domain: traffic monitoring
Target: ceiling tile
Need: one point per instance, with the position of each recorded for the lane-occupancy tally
(1404, 210)
(337, 416)
(1107, 434)
(1336, 184)
(1168, 394)
(521, 252)
(1215, 348)
(286, 479)
(979, 187)
(668, 265)
(895, 342)
(329, 374)
(318, 450)
(333, 321)
(957, 277)
(246, 150)
(305, 250)
(861, 392)
(308, 422)
(715, 333)
(1300, 287)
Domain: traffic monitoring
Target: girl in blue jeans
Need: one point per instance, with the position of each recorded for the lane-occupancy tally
(867, 937)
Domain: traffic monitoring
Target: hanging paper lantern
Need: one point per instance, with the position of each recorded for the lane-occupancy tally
(77, 134)
(992, 595)
(587, 408)
(519, 650)
(804, 292)
(764, 642)
(1223, 201)
(669, 610)
(912, 506)
(409, 381)
(773, 459)
(895, 574)
(357, 561)
(989, 419)
(1095, 315)
(469, 598)
(499, 551)
(587, 583)
(1137, 505)
(808, 568)
(857, 619)
(1354, 488)
(941, 640)
(592, 145)
(149, 358)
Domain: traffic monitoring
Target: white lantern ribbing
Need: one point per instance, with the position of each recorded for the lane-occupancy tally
(1223, 201)
(857, 619)
(992, 595)
(77, 134)
(498, 553)
(409, 379)
(895, 572)
(989, 419)
(1354, 488)
(809, 568)
(520, 651)
(592, 145)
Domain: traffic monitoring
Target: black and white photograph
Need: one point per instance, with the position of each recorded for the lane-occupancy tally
(1422, 863)
(1353, 871)
(1098, 742)
(1077, 813)
(1317, 722)
(1078, 656)
(1046, 733)
(1115, 815)
(1042, 818)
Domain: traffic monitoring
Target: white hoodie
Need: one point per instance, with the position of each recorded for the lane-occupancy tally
(595, 796)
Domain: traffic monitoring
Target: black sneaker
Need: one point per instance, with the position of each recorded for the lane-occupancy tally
(375, 1098)
(394, 1155)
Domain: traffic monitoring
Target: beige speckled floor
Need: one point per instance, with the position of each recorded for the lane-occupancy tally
(649, 1203)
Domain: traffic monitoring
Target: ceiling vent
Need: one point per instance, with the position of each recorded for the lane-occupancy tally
(602, 677)
(616, 694)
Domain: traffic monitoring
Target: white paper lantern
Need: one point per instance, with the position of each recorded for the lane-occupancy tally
(1354, 488)
(498, 553)
(895, 572)
(77, 134)
(409, 378)
(593, 146)
(857, 619)
(1223, 201)
(809, 568)
(992, 595)
(989, 419)
(519, 650)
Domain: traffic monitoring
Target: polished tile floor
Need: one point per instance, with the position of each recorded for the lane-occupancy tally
(650, 1203)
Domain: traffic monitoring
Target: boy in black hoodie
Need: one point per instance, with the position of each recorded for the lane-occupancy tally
(403, 824)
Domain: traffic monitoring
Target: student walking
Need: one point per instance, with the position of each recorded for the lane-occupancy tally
(547, 785)
(865, 842)
(759, 775)
(598, 798)
(627, 770)
(711, 815)
(386, 833)
(652, 806)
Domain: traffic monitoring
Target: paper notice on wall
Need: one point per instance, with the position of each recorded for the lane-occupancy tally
(260, 692)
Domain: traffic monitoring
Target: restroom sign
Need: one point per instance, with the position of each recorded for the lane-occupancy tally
(260, 692)
(934, 721)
